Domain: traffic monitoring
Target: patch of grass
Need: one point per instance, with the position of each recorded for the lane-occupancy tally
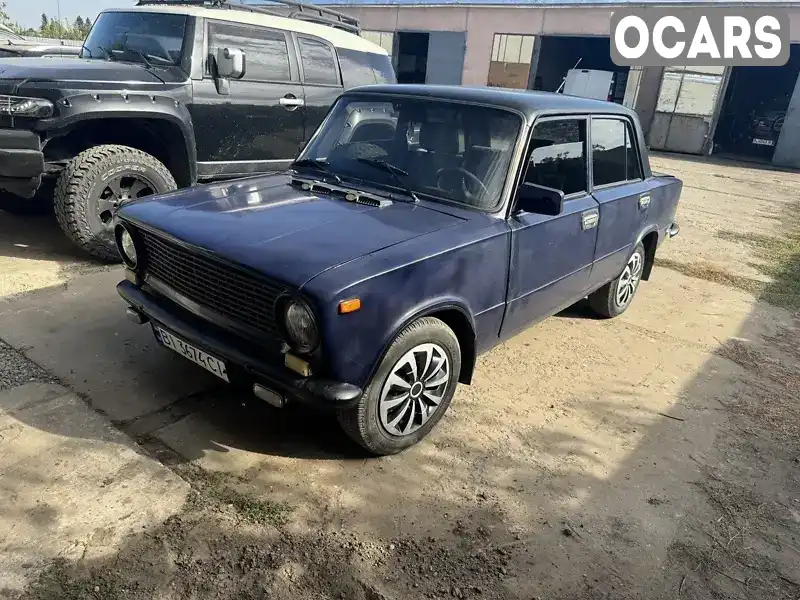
(778, 258)
(215, 488)
(710, 272)
(60, 581)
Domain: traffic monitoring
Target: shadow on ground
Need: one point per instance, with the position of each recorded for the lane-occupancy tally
(615, 500)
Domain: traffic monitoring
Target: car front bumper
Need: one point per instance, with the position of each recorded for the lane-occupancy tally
(321, 393)
(21, 162)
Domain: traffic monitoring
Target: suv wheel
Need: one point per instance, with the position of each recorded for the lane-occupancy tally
(410, 391)
(95, 184)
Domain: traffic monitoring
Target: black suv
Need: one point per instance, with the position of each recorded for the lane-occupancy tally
(166, 95)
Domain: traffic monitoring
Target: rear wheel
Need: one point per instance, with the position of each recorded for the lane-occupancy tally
(410, 392)
(95, 184)
(615, 297)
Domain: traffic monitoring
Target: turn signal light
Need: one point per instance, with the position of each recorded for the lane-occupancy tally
(348, 306)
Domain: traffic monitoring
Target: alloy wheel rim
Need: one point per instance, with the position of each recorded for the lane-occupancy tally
(120, 190)
(414, 390)
(629, 280)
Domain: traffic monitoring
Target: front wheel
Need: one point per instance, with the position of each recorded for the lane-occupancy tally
(410, 391)
(95, 184)
(615, 297)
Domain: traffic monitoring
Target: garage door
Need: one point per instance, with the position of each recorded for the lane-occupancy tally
(446, 51)
(685, 109)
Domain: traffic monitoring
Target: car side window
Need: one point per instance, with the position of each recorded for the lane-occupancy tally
(558, 156)
(319, 62)
(266, 50)
(614, 156)
(356, 68)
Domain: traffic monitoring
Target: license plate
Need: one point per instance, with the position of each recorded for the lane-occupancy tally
(760, 142)
(208, 362)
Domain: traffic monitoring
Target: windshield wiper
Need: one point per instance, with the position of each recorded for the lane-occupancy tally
(319, 165)
(396, 172)
(109, 56)
(141, 55)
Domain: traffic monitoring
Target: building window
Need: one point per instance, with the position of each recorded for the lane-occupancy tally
(384, 39)
(511, 60)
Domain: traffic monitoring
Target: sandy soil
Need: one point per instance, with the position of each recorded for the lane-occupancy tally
(652, 456)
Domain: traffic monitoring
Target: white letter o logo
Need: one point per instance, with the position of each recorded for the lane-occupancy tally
(639, 25)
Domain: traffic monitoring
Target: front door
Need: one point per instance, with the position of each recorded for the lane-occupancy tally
(551, 256)
(621, 192)
(253, 124)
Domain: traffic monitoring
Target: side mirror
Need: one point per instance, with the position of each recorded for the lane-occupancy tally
(230, 63)
(539, 199)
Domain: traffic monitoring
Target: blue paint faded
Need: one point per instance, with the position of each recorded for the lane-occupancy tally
(489, 275)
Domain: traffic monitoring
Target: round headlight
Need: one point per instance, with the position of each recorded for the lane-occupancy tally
(301, 326)
(126, 246)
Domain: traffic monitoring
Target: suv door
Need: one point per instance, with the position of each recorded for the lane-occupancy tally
(621, 192)
(322, 82)
(551, 256)
(253, 124)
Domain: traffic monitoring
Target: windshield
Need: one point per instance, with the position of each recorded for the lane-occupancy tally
(153, 38)
(439, 149)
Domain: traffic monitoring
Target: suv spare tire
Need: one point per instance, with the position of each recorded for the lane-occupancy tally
(97, 182)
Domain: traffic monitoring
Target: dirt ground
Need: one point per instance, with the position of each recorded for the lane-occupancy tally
(656, 455)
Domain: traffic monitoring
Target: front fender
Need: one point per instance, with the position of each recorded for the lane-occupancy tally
(79, 108)
(465, 280)
(425, 309)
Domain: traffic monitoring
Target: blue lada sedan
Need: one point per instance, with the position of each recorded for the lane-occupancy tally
(420, 227)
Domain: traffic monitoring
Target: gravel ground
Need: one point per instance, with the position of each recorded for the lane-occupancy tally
(15, 369)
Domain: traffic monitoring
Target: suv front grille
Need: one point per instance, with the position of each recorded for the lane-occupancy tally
(245, 299)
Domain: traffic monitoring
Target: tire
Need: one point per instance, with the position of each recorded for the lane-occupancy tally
(371, 427)
(85, 197)
(615, 297)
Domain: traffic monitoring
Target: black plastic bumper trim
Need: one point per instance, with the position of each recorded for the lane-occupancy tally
(321, 393)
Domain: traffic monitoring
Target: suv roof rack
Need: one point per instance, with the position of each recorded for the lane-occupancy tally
(303, 11)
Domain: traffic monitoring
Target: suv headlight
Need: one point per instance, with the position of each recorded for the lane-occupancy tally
(19, 106)
(126, 246)
(300, 326)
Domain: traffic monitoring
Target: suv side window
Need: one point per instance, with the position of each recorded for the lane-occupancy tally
(364, 68)
(558, 156)
(614, 155)
(319, 62)
(266, 50)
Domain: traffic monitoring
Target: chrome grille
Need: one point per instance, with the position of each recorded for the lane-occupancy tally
(243, 298)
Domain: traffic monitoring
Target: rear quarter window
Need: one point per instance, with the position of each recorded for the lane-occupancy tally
(364, 68)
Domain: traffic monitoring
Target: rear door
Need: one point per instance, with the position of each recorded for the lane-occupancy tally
(551, 256)
(255, 123)
(620, 191)
(322, 82)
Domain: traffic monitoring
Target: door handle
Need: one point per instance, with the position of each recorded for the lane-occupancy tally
(291, 103)
(644, 201)
(589, 219)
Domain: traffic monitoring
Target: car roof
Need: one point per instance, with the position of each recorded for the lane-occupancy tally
(527, 102)
(337, 37)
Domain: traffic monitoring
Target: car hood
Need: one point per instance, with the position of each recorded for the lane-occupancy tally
(75, 70)
(283, 232)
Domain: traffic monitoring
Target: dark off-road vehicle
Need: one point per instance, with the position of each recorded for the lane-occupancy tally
(168, 94)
